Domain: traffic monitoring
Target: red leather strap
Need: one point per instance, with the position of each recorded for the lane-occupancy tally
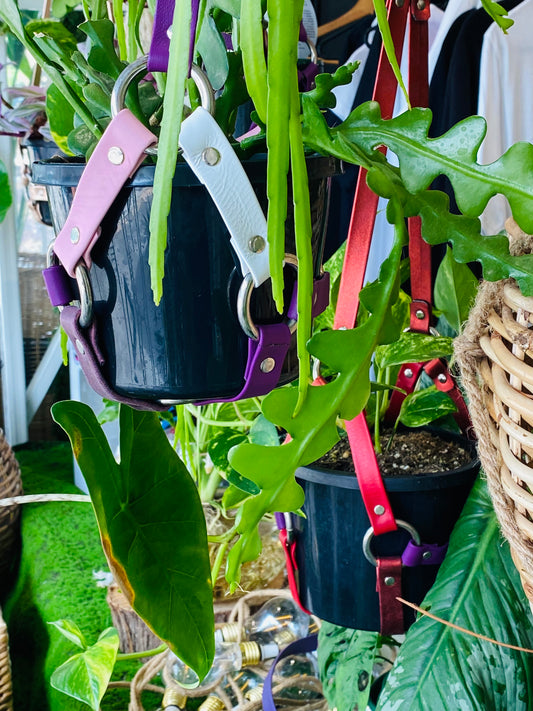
(438, 371)
(389, 588)
(289, 548)
(407, 379)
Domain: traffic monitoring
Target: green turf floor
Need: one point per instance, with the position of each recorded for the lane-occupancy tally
(60, 550)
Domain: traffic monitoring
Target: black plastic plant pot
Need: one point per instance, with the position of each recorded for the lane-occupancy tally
(38, 149)
(190, 347)
(336, 581)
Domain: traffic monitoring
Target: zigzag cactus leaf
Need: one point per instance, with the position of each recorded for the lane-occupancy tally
(422, 159)
(313, 429)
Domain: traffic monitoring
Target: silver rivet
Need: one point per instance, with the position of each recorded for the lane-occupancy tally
(426, 555)
(210, 156)
(408, 373)
(79, 347)
(420, 314)
(379, 510)
(257, 244)
(399, 3)
(442, 378)
(169, 32)
(267, 365)
(421, 5)
(389, 580)
(115, 155)
(75, 235)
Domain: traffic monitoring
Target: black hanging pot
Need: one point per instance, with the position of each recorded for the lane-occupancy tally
(34, 148)
(193, 345)
(336, 579)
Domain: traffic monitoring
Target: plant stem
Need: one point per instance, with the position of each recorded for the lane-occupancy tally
(131, 656)
(218, 562)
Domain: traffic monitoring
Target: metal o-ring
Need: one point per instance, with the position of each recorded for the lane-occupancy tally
(369, 535)
(244, 298)
(86, 295)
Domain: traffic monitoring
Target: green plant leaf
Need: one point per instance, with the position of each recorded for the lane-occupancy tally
(71, 631)
(60, 115)
(455, 290)
(5, 192)
(388, 44)
(498, 13)
(264, 432)
(477, 588)
(220, 445)
(85, 676)
(56, 31)
(424, 406)
(313, 429)
(143, 506)
(239, 482)
(232, 7)
(346, 658)
(213, 51)
(102, 55)
(413, 347)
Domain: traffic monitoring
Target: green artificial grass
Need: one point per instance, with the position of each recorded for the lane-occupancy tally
(60, 550)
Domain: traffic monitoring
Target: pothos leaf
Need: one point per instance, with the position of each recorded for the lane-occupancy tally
(478, 588)
(313, 429)
(413, 347)
(455, 290)
(71, 631)
(143, 505)
(85, 676)
(424, 406)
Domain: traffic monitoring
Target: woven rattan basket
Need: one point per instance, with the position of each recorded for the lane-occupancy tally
(6, 698)
(495, 355)
(10, 485)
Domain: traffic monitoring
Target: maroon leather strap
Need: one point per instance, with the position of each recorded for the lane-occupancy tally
(389, 588)
(438, 371)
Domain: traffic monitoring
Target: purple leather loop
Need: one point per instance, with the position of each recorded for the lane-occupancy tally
(58, 285)
(159, 47)
(91, 359)
(424, 554)
(265, 361)
(300, 646)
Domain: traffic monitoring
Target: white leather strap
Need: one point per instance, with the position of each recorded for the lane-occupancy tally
(211, 157)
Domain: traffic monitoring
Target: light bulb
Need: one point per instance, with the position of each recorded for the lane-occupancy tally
(296, 666)
(173, 700)
(228, 658)
(245, 680)
(279, 620)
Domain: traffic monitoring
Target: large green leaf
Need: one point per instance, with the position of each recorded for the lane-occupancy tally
(85, 676)
(477, 588)
(413, 347)
(60, 115)
(455, 290)
(151, 524)
(346, 659)
(5, 192)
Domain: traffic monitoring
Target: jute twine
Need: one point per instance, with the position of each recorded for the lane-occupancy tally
(162, 664)
(6, 696)
(495, 347)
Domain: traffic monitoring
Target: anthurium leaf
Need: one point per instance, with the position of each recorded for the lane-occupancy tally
(313, 429)
(143, 506)
(413, 347)
(455, 290)
(71, 631)
(477, 588)
(5, 192)
(438, 224)
(85, 676)
(424, 406)
(346, 658)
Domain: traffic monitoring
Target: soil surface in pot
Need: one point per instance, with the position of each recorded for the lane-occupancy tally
(410, 454)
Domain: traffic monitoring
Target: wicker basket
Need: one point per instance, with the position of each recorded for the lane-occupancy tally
(495, 355)
(10, 485)
(6, 697)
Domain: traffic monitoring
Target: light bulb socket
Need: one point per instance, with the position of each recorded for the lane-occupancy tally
(230, 632)
(212, 703)
(284, 637)
(254, 694)
(173, 697)
(251, 653)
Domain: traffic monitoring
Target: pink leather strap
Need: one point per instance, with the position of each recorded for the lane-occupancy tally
(116, 157)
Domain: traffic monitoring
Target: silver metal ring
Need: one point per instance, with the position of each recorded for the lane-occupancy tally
(369, 535)
(244, 298)
(312, 51)
(139, 68)
(86, 295)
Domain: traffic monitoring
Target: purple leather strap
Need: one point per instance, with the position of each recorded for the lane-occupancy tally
(300, 646)
(265, 360)
(424, 554)
(159, 47)
(91, 359)
(58, 285)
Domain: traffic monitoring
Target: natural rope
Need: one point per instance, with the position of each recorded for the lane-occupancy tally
(469, 356)
(141, 680)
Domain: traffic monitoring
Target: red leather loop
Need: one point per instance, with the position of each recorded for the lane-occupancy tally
(438, 371)
(289, 548)
(407, 380)
(389, 588)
